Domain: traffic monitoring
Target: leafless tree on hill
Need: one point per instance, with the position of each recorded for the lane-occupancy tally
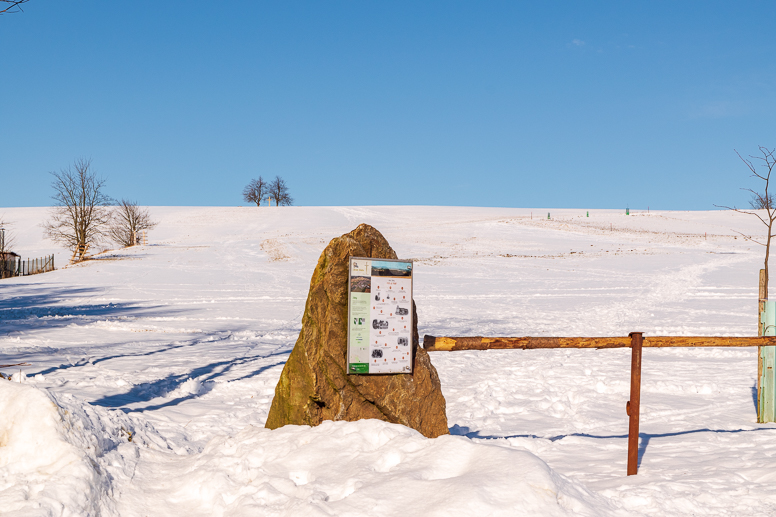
(81, 215)
(762, 205)
(11, 6)
(255, 191)
(278, 190)
(7, 239)
(127, 220)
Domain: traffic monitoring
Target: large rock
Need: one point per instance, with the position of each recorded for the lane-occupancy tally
(315, 386)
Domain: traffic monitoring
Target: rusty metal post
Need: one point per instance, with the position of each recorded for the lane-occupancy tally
(633, 406)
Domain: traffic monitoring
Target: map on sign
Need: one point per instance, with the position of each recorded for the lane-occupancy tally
(379, 316)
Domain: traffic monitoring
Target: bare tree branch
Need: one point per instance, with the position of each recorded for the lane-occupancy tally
(11, 6)
(742, 211)
(255, 191)
(80, 215)
(278, 190)
(759, 201)
(127, 220)
(762, 202)
(749, 238)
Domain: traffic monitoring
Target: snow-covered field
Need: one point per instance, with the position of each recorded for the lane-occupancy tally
(153, 368)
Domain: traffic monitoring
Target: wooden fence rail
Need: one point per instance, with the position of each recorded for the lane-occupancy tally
(635, 341)
(451, 344)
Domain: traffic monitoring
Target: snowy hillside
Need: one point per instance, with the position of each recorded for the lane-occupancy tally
(178, 345)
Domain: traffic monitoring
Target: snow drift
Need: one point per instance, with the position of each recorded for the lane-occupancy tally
(57, 459)
(367, 467)
(47, 457)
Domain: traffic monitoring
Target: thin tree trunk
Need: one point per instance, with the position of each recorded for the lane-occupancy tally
(767, 253)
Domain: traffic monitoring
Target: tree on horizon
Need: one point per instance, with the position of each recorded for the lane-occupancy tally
(256, 191)
(278, 190)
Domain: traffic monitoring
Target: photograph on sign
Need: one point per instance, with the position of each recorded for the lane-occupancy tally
(379, 316)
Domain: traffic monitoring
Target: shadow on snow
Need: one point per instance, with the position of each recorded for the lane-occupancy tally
(204, 375)
(644, 438)
(41, 308)
(89, 361)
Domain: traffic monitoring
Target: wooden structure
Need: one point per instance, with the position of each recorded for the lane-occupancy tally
(79, 253)
(9, 264)
(633, 406)
(450, 344)
(36, 266)
(15, 364)
(8, 377)
(139, 236)
(635, 341)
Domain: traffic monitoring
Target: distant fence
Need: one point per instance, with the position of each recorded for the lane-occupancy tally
(15, 266)
(35, 266)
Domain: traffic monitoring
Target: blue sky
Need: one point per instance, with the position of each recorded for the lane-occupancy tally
(391, 265)
(518, 104)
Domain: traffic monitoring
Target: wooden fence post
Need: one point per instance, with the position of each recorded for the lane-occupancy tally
(632, 407)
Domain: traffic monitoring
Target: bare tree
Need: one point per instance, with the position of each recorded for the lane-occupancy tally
(11, 6)
(762, 200)
(255, 191)
(81, 215)
(127, 220)
(758, 202)
(278, 190)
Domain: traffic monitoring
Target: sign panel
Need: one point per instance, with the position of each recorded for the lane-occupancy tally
(379, 316)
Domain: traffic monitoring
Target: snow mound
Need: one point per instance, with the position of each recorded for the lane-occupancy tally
(62, 457)
(54, 452)
(359, 468)
(46, 467)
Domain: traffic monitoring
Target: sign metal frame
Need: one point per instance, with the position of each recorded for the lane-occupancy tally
(355, 352)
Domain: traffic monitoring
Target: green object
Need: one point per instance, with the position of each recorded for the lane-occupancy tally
(627, 211)
(359, 368)
(548, 215)
(766, 398)
(588, 214)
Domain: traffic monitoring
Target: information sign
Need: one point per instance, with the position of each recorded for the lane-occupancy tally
(379, 316)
